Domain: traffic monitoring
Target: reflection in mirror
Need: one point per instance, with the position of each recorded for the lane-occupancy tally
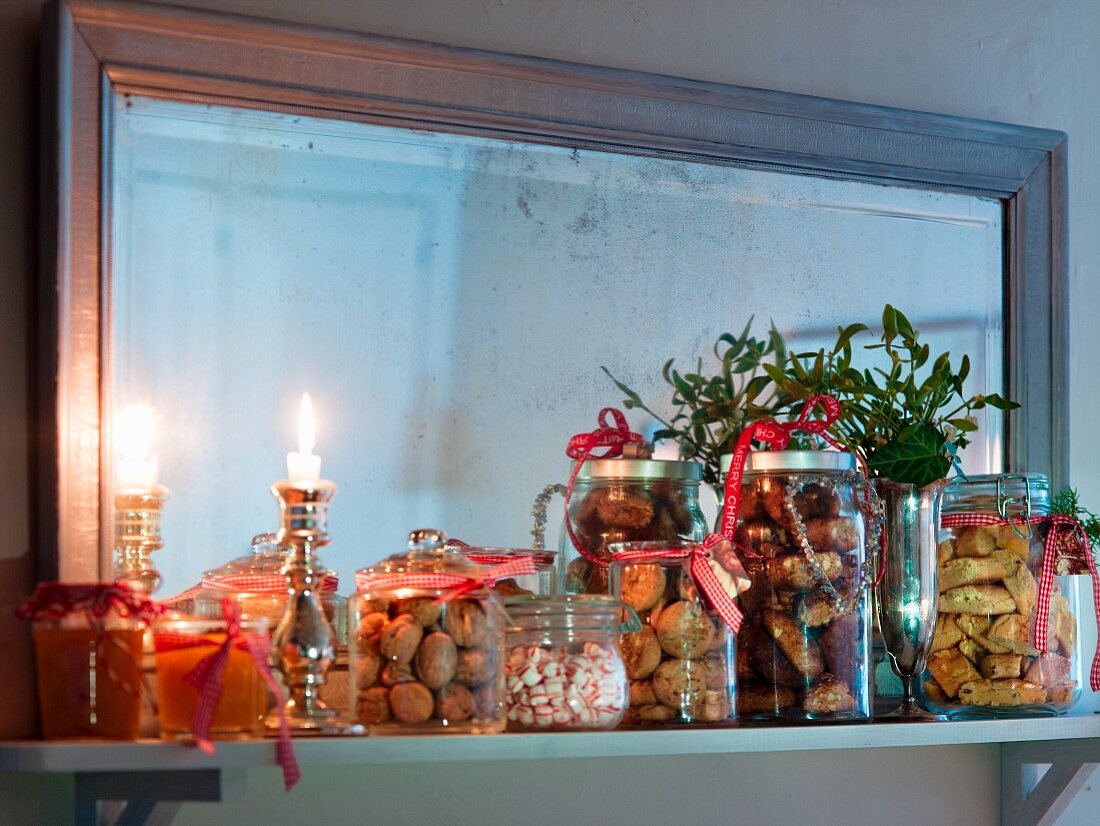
(448, 301)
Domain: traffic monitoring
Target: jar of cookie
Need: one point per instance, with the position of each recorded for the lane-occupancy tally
(626, 500)
(428, 633)
(564, 666)
(682, 661)
(804, 649)
(994, 651)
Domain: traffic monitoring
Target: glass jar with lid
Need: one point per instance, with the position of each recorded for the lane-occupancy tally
(542, 582)
(626, 500)
(427, 643)
(563, 665)
(803, 652)
(984, 660)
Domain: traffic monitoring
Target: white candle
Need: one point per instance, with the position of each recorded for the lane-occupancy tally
(137, 466)
(303, 466)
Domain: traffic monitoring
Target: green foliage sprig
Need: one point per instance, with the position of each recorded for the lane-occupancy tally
(710, 411)
(905, 419)
(1068, 503)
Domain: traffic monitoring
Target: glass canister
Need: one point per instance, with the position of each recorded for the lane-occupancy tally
(88, 641)
(428, 638)
(983, 660)
(804, 648)
(682, 661)
(563, 665)
(626, 500)
(180, 644)
(542, 582)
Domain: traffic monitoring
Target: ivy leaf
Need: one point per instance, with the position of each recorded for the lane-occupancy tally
(919, 458)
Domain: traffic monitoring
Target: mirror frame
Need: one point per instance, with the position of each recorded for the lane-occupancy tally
(94, 47)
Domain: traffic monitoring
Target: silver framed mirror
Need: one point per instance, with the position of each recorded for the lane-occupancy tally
(108, 54)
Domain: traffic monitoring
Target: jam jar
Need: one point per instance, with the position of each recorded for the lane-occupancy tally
(626, 500)
(427, 637)
(983, 660)
(563, 664)
(803, 651)
(681, 660)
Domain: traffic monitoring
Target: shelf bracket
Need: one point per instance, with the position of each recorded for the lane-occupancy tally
(1031, 796)
(138, 798)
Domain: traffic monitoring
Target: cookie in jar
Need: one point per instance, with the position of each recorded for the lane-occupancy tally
(426, 644)
(804, 648)
(681, 663)
(625, 500)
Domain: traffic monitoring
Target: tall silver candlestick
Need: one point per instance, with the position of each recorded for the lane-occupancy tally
(137, 535)
(303, 644)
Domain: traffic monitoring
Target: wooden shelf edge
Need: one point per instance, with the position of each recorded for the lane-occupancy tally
(152, 755)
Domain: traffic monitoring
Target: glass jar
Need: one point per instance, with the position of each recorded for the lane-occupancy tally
(563, 666)
(983, 662)
(627, 500)
(542, 583)
(180, 644)
(804, 648)
(429, 635)
(682, 661)
(89, 677)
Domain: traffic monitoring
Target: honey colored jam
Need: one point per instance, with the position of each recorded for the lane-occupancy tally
(243, 703)
(89, 684)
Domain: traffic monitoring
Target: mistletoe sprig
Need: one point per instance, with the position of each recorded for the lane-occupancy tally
(710, 411)
(906, 419)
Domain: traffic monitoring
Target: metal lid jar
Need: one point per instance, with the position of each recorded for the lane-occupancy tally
(803, 652)
(428, 636)
(564, 667)
(625, 500)
(984, 658)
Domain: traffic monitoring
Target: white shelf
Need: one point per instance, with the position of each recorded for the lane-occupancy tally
(151, 755)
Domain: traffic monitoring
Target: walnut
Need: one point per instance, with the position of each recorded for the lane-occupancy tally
(684, 630)
(411, 702)
(474, 667)
(367, 666)
(425, 610)
(454, 703)
(373, 706)
(436, 660)
(396, 673)
(466, 622)
(401, 638)
(680, 684)
(641, 653)
(641, 586)
(369, 633)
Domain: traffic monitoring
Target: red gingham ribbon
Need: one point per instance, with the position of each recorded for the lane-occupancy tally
(475, 555)
(453, 585)
(208, 678)
(1058, 523)
(582, 447)
(252, 583)
(778, 435)
(699, 566)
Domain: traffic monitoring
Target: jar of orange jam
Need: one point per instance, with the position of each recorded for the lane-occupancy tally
(88, 648)
(180, 645)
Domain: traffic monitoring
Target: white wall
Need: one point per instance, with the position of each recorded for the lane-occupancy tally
(1022, 61)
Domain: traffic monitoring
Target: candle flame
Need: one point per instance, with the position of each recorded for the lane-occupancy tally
(307, 428)
(135, 432)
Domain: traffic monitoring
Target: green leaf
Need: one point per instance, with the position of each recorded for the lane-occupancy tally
(920, 458)
(889, 323)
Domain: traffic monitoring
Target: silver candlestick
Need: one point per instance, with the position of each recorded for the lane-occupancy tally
(303, 644)
(137, 535)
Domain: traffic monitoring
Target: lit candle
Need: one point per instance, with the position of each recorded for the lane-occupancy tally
(137, 466)
(303, 466)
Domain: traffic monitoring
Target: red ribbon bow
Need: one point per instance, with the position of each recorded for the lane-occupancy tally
(453, 585)
(701, 566)
(54, 600)
(582, 447)
(1058, 525)
(208, 678)
(778, 435)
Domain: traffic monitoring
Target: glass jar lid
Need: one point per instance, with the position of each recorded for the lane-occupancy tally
(1004, 494)
(498, 556)
(261, 571)
(765, 461)
(570, 612)
(428, 554)
(641, 469)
